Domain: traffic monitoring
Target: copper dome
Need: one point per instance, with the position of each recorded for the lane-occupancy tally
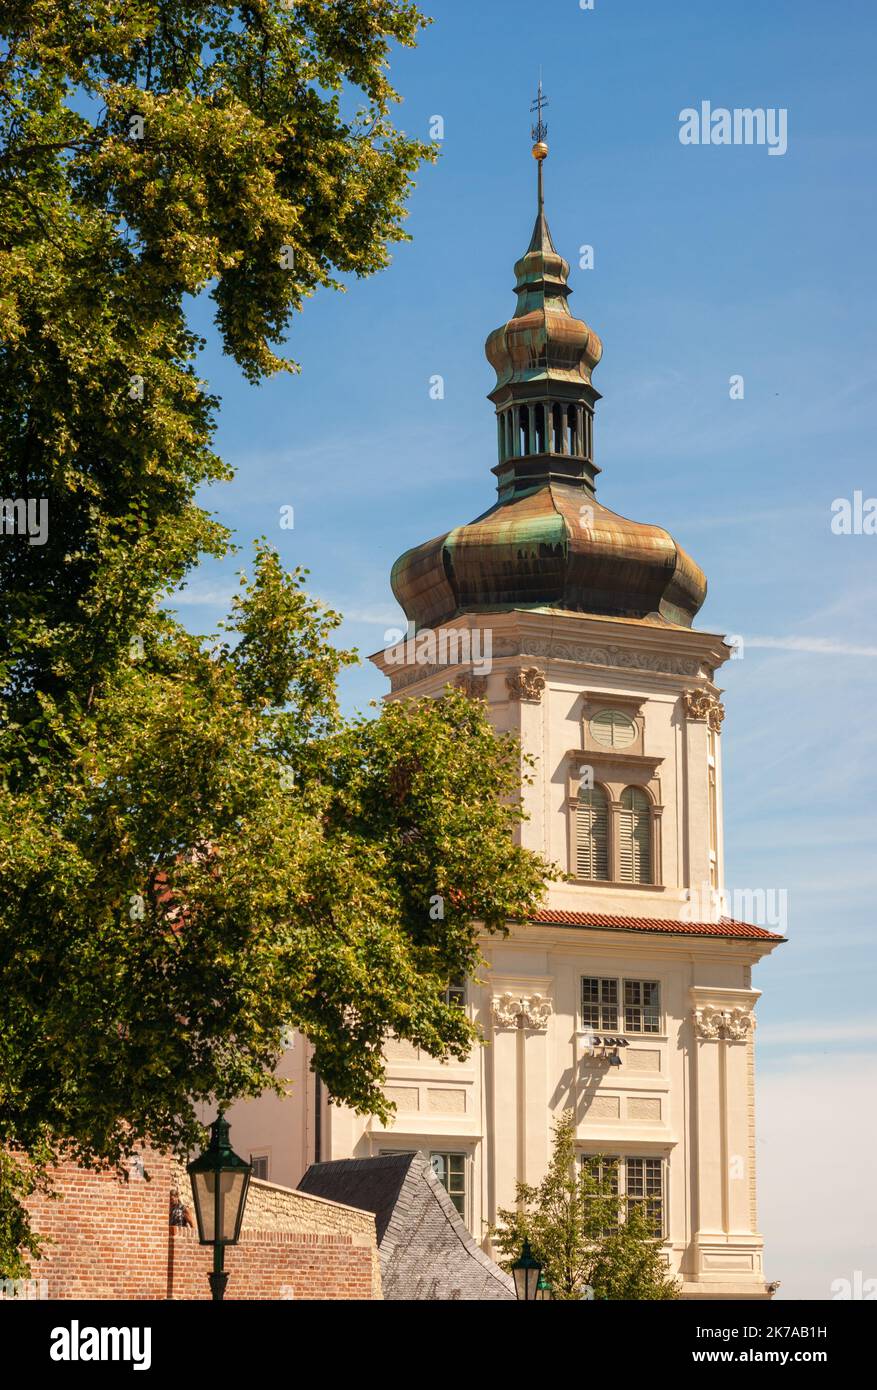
(553, 548)
(547, 543)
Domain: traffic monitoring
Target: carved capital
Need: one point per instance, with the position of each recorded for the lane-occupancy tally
(473, 687)
(527, 684)
(512, 1011)
(702, 704)
(739, 1024)
(728, 1025)
(707, 1023)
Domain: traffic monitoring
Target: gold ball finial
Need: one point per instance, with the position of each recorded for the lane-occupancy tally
(540, 150)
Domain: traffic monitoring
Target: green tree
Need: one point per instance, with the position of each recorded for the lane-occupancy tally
(627, 1262)
(196, 852)
(152, 150)
(589, 1246)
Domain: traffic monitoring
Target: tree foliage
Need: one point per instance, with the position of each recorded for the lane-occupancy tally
(196, 851)
(590, 1243)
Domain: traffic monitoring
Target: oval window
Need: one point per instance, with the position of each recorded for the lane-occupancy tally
(612, 729)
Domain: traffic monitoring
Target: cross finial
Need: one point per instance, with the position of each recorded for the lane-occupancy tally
(540, 129)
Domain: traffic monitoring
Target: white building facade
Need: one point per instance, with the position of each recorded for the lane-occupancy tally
(629, 996)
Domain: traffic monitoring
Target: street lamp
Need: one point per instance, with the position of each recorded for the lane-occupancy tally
(543, 1288)
(526, 1273)
(220, 1181)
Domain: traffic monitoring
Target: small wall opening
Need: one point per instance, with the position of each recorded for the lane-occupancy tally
(539, 421)
(572, 430)
(523, 431)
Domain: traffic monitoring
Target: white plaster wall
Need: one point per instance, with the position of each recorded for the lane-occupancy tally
(497, 1107)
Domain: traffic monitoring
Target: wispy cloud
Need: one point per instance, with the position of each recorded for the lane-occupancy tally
(207, 596)
(821, 646)
(818, 1034)
(816, 1211)
(373, 617)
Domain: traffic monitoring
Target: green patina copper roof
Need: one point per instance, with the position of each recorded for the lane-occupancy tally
(555, 548)
(547, 543)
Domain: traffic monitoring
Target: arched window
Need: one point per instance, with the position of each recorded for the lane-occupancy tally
(592, 835)
(635, 837)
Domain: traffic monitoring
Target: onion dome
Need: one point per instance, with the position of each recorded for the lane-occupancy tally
(547, 542)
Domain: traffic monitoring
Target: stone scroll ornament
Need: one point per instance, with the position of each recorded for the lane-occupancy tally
(702, 704)
(526, 685)
(728, 1025)
(512, 1011)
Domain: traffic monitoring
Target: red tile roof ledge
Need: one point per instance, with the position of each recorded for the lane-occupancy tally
(725, 927)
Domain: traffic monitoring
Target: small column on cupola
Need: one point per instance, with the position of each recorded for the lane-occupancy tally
(543, 359)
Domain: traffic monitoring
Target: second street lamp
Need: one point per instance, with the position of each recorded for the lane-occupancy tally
(220, 1182)
(526, 1272)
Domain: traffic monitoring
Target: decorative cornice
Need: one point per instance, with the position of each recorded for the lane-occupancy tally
(514, 1011)
(664, 663)
(621, 657)
(527, 684)
(663, 650)
(702, 704)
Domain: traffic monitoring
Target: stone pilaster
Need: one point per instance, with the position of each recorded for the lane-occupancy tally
(727, 1249)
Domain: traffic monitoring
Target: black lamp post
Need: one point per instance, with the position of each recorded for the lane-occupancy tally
(526, 1272)
(220, 1181)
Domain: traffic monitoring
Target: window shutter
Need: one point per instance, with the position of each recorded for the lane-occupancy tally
(635, 837)
(592, 835)
(613, 729)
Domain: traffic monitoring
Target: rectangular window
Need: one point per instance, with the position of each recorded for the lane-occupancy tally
(456, 993)
(642, 1006)
(450, 1169)
(605, 1170)
(636, 1181)
(599, 1003)
(260, 1166)
(714, 813)
(645, 1187)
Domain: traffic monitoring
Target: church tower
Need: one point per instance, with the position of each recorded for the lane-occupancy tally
(628, 997)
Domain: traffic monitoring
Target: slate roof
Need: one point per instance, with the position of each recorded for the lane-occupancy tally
(605, 921)
(426, 1251)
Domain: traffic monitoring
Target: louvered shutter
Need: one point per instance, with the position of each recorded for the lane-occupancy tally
(635, 837)
(613, 729)
(592, 835)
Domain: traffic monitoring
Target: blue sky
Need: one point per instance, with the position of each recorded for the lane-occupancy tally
(709, 262)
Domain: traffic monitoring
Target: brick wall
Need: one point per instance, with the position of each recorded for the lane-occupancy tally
(111, 1238)
(274, 1265)
(292, 1246)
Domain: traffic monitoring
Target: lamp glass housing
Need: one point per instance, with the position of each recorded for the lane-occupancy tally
(525, 1272)
(220, 1183)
